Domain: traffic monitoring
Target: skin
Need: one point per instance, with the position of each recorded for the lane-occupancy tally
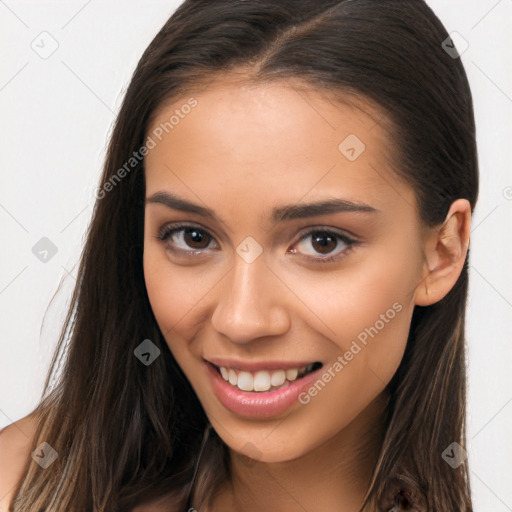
(242, 151)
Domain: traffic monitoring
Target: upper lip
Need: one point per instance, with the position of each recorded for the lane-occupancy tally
(253, 366)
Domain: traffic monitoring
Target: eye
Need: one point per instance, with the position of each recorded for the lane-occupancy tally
(185, 238)
(330, 245)
(189, 239)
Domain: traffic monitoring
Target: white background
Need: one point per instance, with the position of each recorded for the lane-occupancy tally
(56, 115)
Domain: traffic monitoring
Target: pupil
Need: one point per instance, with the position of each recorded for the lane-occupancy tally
(326, 242)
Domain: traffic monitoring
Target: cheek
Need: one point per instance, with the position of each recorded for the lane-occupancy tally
(368, 316)
(365, 310)
(176, 294)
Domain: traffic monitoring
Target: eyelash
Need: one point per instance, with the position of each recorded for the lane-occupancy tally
(170, 229)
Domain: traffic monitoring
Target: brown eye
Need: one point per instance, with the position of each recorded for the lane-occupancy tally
(185, 238)
(321, 242)
(324, 242)
(195, 238)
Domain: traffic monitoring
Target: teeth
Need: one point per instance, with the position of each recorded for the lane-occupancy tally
(262, 380)
(224, 373)
(245, 381)
(292, 373)
(278, 377)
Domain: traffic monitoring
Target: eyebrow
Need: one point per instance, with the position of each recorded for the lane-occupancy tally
(279, 214)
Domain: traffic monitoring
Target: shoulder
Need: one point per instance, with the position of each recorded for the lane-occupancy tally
(16, 441)
(15, 446)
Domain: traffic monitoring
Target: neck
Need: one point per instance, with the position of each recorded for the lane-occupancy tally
(333, 477)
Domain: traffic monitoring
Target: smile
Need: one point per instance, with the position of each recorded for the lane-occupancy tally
(279, 388)
(264, 380)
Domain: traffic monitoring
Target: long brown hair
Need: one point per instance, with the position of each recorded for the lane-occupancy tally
(126, 433)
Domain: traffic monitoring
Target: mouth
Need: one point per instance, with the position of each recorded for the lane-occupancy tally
(264, 380)
(263, 390)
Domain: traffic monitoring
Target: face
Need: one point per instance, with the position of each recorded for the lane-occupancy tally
(277, 235)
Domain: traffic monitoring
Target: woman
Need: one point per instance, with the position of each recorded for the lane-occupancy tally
(269, 312)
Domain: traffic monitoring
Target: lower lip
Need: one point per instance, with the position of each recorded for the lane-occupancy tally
(258, 405)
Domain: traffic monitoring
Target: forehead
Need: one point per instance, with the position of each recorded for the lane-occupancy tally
(280, 141)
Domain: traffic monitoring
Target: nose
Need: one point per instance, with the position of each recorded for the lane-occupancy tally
(251, 303)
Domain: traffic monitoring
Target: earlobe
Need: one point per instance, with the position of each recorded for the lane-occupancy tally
(445, 251)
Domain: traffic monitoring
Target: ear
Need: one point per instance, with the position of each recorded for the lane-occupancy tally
(445, 250)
